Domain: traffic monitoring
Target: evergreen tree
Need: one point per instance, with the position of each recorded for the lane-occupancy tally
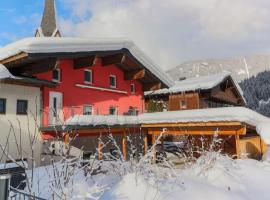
(257, 92)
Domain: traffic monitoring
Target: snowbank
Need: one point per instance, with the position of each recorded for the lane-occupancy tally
(69, 45)
(263, 128)
(224, 179)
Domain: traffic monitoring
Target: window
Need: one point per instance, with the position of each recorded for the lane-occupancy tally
(132, 89)
(54, 106)
(87, 110)
(56, 75)
(112, 81)
(183, 104)
(88, 76)
(22, 107)
(133, 111)
(2, 106)
(112, 111)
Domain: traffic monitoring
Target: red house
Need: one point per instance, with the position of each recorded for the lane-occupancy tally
(92, 77)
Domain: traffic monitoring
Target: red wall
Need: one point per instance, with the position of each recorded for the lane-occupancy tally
(74, 96)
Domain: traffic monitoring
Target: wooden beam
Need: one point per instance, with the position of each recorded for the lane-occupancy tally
(19, 56)
(135, 75)
(83, 62)
(66, 138)
(97, 131)
(39, 67)
(124, 145)
(190, 124)
(113, 59)
(242, 131)
(100, 146)
(154, 147)
(237, 146)
(197, 132)
(145, 139)
(152, 86)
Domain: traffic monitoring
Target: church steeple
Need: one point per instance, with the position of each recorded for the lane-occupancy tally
(48, 27)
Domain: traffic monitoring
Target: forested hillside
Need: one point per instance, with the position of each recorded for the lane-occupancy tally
(257, 92)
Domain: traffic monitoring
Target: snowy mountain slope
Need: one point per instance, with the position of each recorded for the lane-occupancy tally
(241, 67)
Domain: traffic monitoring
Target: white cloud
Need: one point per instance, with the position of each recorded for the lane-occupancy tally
(171, 31)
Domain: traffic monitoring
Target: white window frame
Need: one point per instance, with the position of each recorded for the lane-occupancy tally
(132, 86)
(91, 76)
(59, 76)
(181, 104)
(92, 108)
(113, 107)
(115, 81)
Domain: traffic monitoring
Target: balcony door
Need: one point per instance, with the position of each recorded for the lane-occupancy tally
(56, 108)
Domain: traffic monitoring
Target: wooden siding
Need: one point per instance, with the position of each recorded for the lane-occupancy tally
(192, 101)
(227, 95)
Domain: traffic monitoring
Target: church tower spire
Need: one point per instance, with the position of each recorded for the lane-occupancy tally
(49, 26)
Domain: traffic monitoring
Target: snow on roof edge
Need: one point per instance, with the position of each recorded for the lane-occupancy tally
(198, 83)
(47, 45)
(240, 114)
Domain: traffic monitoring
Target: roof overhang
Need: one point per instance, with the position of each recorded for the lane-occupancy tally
(28, 81)
(33, 55)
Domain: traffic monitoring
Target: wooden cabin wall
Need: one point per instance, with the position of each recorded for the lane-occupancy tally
(251, 147)
(227, 95)
(192, 101)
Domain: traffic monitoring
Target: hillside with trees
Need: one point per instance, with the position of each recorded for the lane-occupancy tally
(257, 92)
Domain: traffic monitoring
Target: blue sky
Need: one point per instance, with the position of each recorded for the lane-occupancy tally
(170, 33)
(20, 18)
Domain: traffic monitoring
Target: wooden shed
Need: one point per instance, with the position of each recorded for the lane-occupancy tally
(238, 127)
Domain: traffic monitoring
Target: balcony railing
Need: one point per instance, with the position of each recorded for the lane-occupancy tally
(58, 117)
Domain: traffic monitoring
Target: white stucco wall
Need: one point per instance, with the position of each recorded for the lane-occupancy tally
(24, 125)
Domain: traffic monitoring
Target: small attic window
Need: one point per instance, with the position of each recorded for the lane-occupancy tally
(112, 81)
(132, 88)
(88, 76)
(56, 75)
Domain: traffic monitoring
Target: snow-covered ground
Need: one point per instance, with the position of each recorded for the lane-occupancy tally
(211, 177)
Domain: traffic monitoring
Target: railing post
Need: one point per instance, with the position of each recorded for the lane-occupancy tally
(4, 186)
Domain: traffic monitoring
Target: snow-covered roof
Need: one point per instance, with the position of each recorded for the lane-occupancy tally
(239, 114)
(97, 120)
(226, 114)
(72, 45)
(197, 83)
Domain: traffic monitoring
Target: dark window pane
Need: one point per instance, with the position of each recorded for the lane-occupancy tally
(112, 81)
(56, 75)
(22, 107)
(88, 76)
(55, 107)
(112, 111)
(132, 88)
(87, 110)
(2, 106)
